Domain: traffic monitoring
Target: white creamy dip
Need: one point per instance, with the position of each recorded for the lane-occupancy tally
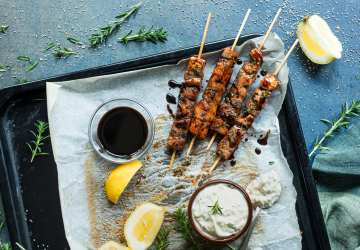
(265, 189)
(234, 210)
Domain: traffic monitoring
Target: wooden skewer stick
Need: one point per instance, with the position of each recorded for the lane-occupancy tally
(287, 55)
(276, 72)
(241, 29)
(172, 159)
(260, 47)
(191, 144)
(204, 36)
(211, 142)
(214, 165)
(268, 32)
(199, 56)
(232, 48)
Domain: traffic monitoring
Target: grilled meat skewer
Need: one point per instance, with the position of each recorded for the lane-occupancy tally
(230, 108)
(187, 100)
(253, 107)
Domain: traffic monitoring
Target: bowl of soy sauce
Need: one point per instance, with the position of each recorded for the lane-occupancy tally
(121, 130)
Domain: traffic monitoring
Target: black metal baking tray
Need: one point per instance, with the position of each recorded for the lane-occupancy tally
(30, 190)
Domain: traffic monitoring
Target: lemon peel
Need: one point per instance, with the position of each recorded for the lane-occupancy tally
(119, 178)
(143, 225)
(112, 245)
(317, 41)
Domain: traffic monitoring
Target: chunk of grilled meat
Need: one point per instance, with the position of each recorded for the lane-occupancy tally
(186, 103)
(195, 68)
(230, 108)
(206, 109)
(253, 107)
(232, 139)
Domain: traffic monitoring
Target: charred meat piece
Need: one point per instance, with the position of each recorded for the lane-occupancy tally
(204, 111)
(196, 66)
(185, 108)
(219, 126)
(221, 74)
(176, 143)
(269, 83)
(189, 93)
(232, 139)
(230, 54)
(193, 82)
(212, 96)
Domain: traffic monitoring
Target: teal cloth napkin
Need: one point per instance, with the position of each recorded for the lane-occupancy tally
(337, 175)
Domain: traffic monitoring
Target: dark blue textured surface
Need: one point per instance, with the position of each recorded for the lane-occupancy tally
(319, 90)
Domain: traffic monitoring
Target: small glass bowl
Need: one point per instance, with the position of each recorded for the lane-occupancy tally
(101, 111)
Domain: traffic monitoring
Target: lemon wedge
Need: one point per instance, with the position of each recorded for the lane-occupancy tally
(143, 225)
(112, 245)
(317, 41)
(119, 178)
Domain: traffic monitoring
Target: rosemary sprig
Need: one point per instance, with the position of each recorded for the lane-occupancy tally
(23, 58)
(2, 69)
(42, 126)
(31, 66)
(3, 28)
(59, 52)
(162, 239)
(49, 46)
(9, 67)
(106, 31)
(4, 246)
(337, 124)
(73, 40)
(19, 80)
(150, 35)
(216, 209)
(184, 225)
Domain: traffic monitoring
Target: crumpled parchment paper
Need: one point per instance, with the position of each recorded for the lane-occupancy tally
(90, 219)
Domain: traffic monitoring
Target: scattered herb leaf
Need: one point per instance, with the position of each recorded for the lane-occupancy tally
(21, 80)
(3, 28)
(59, 52)
(32, 66)
(162, 239)
(357, 76)
(2, 69)
(73, 40)
(23, 58)
(337, 124)
(4, 246)
(271, 162)
(41, 127)
(150, 35)
(9, 67)
(230, 247)
(106, 31)
(216, 209)
(49, 46)
(183, 225)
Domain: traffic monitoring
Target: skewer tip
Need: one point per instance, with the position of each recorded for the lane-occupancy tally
(214, 165)
(191, 145)
(172, 159)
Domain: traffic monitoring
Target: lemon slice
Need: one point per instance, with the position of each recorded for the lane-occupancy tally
(112, 245)
(143, 225)
(119, 178)
(317, 41)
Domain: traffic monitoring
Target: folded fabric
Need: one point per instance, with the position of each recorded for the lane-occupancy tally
(337, 176)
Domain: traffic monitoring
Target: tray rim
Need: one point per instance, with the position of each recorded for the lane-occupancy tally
(18, 231)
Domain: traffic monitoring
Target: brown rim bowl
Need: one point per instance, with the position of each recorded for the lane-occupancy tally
(233, 237)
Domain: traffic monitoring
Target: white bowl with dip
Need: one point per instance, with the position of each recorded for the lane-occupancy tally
(231, 221)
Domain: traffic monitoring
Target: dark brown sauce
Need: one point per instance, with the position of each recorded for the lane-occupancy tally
(170, 111)
(239, 61)
(258, 76)
(233, 162)
(258, 151)
(263, 141)
(231, 156)
(263, 72)
(246, 139)
(122, 131)
(174, 84)
(170, 98)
